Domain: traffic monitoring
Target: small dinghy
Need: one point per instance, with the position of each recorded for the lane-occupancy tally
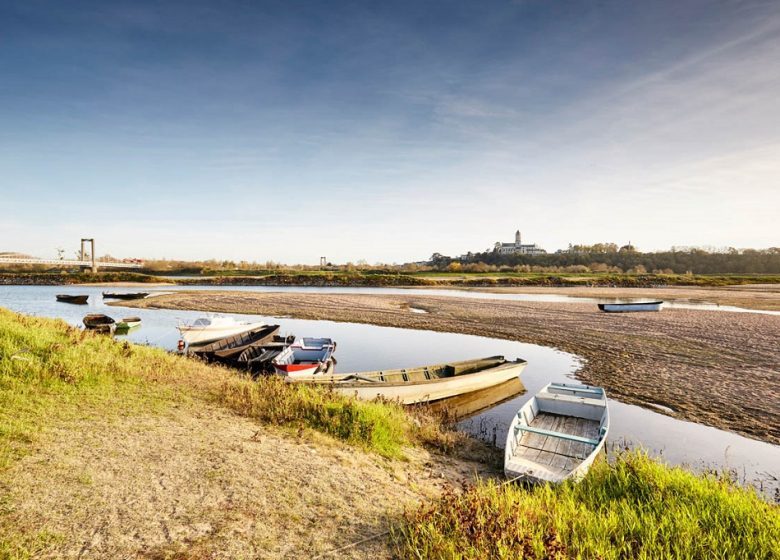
(305, 357)
(209, 329)
(100, 323)
(423, 384)
(122, 295)
(128, 323)
(557, 434)
(79, 300)
(629, 307)
(229, 348)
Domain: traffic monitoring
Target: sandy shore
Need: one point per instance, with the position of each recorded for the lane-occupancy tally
(716, 368)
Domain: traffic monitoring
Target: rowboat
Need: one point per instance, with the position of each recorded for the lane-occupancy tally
(80, 300)
(229, 348)
(557, 434)
(100, 323)
(122, 295)
(257, 359)
(426, 383)
(209, 329)
(627, 307)
(129, 323)
(305, 357)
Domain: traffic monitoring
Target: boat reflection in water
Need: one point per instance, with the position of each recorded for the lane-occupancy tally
(461, 407)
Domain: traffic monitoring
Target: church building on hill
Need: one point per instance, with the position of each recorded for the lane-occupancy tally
(517, 248)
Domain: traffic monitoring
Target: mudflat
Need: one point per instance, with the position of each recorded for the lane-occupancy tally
(721, 369)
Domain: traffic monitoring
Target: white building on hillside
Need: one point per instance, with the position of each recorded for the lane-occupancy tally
(517, 248)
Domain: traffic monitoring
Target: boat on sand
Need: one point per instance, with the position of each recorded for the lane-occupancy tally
(305, 357)
(209, 329)
(630, 307)
(125, 295)
(423, 384)
(557, 434)
(100, 323)
(229, 348)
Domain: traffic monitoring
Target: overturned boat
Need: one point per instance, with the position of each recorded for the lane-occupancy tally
(630, 307)
(79, 300)
(423, 384)
(557, 434)
(230, 348)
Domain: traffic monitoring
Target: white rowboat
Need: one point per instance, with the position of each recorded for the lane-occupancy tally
(557, 434)
(423, 384)
(209, 329)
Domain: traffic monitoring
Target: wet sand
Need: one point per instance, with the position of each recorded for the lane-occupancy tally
(717, 368)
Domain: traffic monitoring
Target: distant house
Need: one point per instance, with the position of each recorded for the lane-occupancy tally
(517, 248)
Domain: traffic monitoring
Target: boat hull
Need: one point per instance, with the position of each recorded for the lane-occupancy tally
(230, 348)
(117, 295)
(204, 335)
(423, 384)
(630, 307)
(78, 300)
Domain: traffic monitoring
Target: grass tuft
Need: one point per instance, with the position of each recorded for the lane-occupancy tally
(633, 508)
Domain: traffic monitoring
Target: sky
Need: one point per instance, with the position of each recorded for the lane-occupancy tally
(386, 131)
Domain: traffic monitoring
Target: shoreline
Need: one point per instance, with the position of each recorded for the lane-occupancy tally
(662, 361)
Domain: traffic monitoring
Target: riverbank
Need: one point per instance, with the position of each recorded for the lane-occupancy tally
(715, 368)
(112, 450)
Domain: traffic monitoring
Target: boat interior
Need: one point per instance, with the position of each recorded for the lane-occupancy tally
(426, 373)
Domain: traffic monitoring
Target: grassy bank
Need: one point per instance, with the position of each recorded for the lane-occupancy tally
(52, 371)
(65, 278)
(634, 508)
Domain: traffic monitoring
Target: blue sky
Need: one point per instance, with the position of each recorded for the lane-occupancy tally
(386, 131)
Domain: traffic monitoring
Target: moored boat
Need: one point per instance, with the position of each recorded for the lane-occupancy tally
(100, 323)
(629, 307)
(125, 295)
(79, 300)
(128, 323)
(557, 434)
(426, 383)
(305, 357)
(257, 358)
(209, 329)
(229, 348)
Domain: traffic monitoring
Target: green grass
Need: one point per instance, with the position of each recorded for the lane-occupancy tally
(51, 372)
(633, 508)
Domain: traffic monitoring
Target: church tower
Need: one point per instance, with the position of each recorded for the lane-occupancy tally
(517, 238)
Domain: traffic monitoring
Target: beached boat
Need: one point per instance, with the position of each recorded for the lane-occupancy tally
(229, 348)
(628, 307)
(209, 329)
(426, 383)
(65, 298)
(129, 323)
(128, 295)
(557, 434)
(305, 357)
(100, 323)
(257, 359)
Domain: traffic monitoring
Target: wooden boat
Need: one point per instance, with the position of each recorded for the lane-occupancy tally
(129, 323)
(557, 434)
(128, 295)
(80, 300)
(426, 383)
(229, 348)
(100, 323)
(628, 307)
(304, 357)
(257, 359)
(209, 329)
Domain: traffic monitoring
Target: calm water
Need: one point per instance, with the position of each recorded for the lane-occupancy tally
(368, 347)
